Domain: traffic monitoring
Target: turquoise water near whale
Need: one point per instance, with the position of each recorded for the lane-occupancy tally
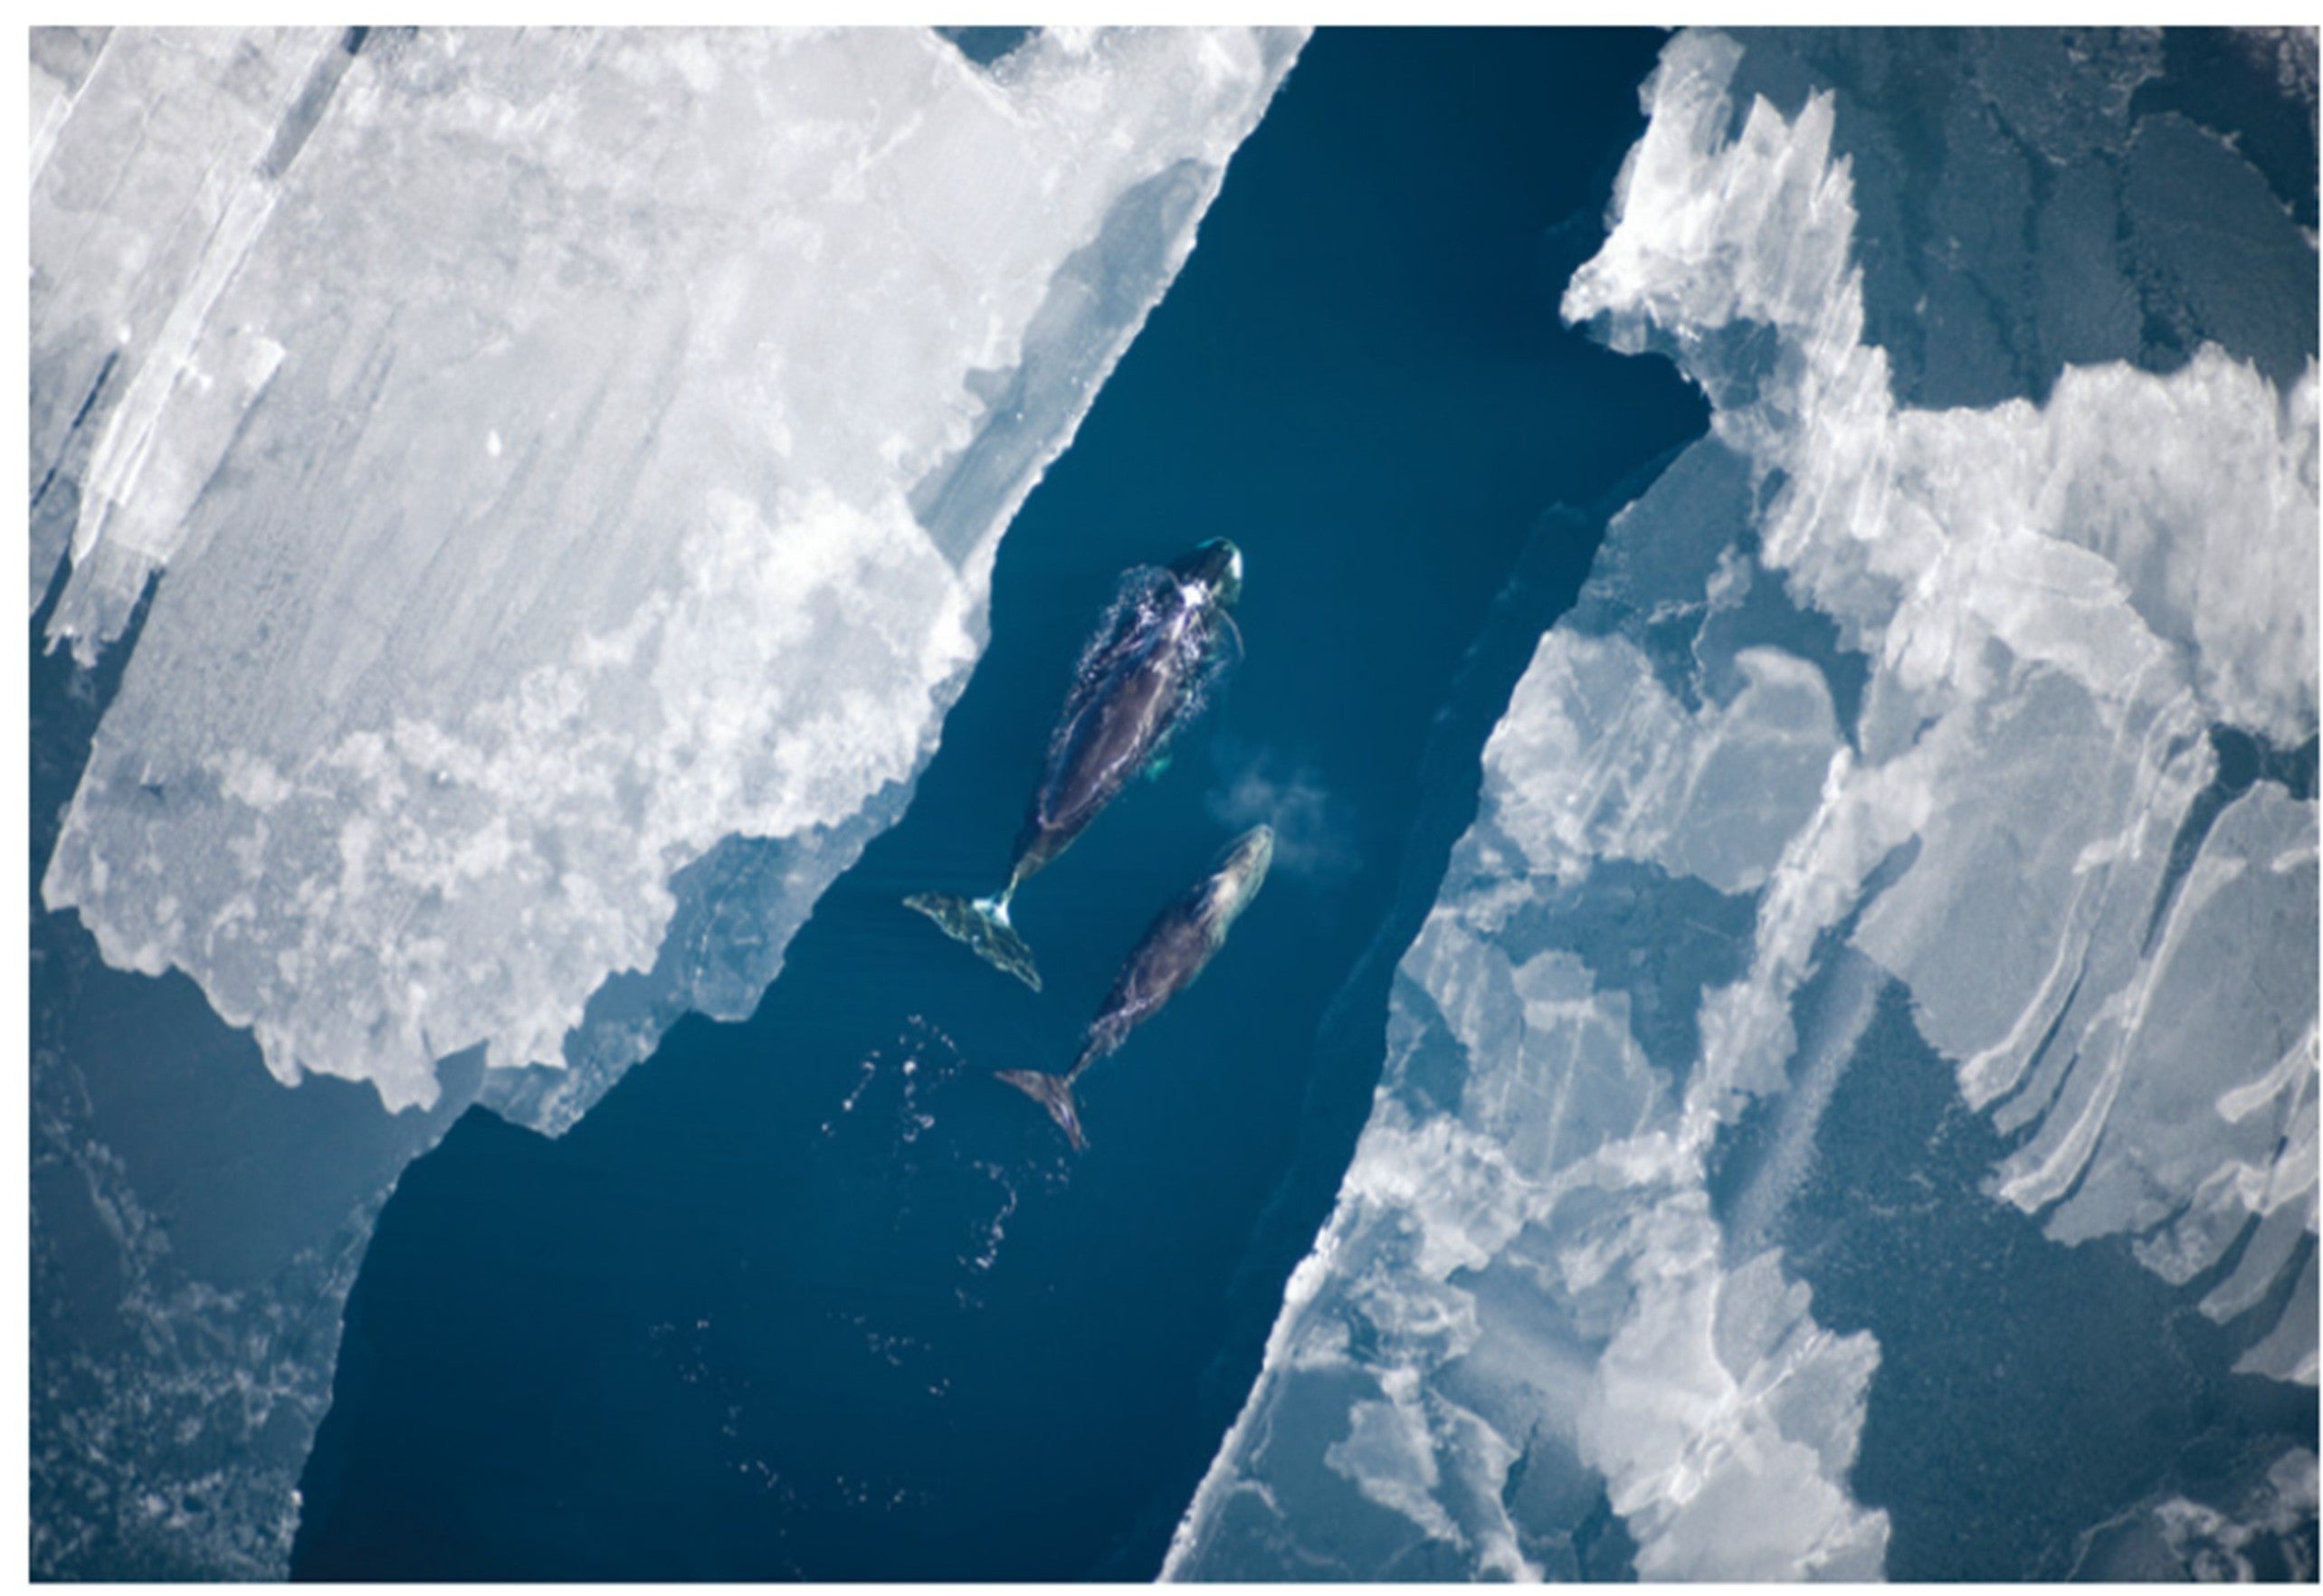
(812, 1294)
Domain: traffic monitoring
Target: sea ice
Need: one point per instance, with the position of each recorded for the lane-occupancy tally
(2042, 617)
(567, 467)
(2067, 598)
(420, 729)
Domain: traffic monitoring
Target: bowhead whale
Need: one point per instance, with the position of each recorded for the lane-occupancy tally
(1141, 677)
(1171, 953)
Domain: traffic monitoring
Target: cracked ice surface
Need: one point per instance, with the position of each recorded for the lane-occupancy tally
(573, 449)
(575, 462)
(1522, 1314)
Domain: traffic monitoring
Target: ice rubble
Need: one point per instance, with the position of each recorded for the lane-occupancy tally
(571, 463)
(2256, 1534)
(2058, 604)
(588, 448)
(1523, 1297)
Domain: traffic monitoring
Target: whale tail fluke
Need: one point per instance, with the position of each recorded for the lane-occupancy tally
(982, 923)
(1054, 1093)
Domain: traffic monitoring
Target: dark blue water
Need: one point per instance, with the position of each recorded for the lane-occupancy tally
(812, 1294)
(2024, 1394)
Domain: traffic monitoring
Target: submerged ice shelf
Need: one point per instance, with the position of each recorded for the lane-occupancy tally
(1862, 697)
(567, 467)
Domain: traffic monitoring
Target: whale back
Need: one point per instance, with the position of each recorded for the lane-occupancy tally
(1164, 964)
(1145, 673)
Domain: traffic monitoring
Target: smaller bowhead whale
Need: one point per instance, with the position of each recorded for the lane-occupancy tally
(1165, 962)
(1144, 674)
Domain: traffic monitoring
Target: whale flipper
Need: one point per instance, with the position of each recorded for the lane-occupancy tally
(983, 924)
(1054, 1093)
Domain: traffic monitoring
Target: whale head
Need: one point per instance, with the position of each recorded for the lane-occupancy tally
(1217, 566)
(1242, 871)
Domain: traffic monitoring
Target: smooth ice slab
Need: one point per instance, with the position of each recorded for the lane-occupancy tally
(570, 450)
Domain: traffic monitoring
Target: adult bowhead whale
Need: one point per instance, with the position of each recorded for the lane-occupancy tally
(1165, 962)
(1141, 677)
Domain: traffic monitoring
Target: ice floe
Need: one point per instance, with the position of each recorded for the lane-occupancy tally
(773, 336)
(2043, 617)
(567, 467)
